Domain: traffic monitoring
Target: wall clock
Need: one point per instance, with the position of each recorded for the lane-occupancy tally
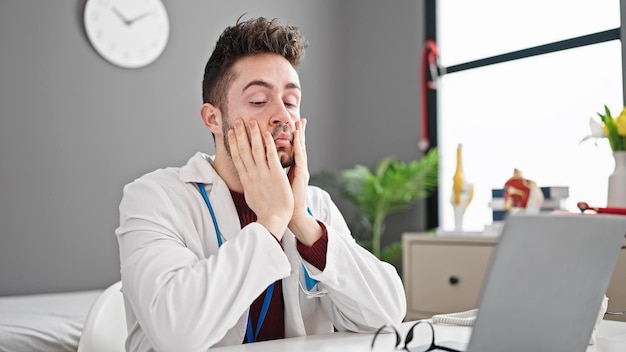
(127, 33)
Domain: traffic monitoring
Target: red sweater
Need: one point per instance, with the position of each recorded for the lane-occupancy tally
(274, 325)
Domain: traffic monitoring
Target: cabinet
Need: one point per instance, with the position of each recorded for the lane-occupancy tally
(444, 274)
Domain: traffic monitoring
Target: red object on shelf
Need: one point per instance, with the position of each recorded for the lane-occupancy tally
(429, 62)
(609, 210)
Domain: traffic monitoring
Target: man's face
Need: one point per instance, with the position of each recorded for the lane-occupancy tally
(265, 88)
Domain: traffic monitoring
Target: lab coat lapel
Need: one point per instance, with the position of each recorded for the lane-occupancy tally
(294, 325)
(225, 211)
(199, 169)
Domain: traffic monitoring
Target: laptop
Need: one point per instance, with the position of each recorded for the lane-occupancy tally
(547, 278)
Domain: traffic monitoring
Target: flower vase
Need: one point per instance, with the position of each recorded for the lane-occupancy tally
(617, 181)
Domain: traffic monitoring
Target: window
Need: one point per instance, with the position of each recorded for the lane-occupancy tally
(529, 113)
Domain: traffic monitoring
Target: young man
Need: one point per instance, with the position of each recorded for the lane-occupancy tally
(237, 247)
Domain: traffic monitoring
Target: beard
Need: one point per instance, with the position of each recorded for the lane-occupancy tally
(284, 154)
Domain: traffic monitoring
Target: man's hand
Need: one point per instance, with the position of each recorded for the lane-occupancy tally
(302, 224)
(266, 186)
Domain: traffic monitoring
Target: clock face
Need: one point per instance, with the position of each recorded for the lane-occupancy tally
(127, 33)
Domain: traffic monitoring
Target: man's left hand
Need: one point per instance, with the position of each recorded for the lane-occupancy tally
(302, 224)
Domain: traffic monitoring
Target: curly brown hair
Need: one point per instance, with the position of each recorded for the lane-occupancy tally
(251, 37)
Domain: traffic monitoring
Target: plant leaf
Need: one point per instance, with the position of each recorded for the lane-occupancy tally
(395, 187)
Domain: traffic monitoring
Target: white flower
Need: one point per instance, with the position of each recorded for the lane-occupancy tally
(597, 130)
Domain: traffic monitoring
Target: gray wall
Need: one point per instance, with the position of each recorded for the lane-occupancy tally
(74, 129)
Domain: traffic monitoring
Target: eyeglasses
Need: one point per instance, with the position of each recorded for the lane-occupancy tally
(409, 338)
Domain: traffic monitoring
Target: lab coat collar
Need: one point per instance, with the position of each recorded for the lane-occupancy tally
(199, 169)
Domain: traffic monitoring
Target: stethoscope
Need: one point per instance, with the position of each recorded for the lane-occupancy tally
(309, 282)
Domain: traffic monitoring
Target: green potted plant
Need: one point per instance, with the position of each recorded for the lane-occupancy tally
(394, 187)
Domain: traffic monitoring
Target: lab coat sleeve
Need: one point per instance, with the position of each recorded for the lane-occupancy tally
(183, 302)
(364, 292)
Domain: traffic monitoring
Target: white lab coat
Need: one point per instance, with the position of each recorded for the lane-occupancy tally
(182, 294)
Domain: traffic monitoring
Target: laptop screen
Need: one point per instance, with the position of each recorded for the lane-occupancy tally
(547, 278)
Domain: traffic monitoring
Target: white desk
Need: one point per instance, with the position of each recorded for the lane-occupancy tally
(611, 337)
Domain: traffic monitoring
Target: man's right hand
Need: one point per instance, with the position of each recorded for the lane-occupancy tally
(265, 183)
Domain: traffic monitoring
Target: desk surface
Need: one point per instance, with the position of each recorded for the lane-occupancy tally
(611, 337)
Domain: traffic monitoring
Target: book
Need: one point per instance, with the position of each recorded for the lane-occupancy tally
(548, 192)
(548, 203)
(500, 215)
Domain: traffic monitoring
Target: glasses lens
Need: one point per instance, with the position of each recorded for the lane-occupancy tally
(420, 337)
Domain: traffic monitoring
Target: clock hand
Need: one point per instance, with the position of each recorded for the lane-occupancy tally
(137, 18)
(121, 16)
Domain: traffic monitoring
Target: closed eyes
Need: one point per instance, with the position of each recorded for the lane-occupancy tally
(261, 103)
